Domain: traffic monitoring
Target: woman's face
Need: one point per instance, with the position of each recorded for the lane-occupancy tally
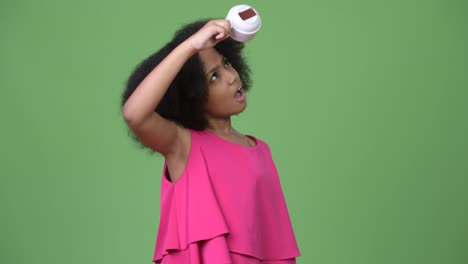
(225, 94)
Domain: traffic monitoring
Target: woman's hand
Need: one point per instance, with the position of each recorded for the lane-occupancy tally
(210, 34)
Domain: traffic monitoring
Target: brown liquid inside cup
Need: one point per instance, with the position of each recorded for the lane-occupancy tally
(246, 14)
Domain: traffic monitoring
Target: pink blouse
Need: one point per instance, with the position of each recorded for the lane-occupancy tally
(228, 200)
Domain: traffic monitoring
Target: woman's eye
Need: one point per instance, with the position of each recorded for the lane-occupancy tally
(214, 76)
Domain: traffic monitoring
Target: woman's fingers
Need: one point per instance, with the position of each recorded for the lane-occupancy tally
(223, 22)
(226, 28)
(222, 31)
(211, 34)
(223, 34)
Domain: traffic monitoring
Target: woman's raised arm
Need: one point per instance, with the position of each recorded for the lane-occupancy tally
(152, 129)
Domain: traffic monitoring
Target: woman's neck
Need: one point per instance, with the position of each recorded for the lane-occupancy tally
(221, 126)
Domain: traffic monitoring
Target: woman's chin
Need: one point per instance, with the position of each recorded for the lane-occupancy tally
(243, 108)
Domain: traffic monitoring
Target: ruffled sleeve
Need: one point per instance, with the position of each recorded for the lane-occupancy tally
(190, 211)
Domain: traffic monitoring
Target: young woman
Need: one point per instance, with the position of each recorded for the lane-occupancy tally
(221, 197)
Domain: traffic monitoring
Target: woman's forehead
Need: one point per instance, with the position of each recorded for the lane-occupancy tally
(210, 58)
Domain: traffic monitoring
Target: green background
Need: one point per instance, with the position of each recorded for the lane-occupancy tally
(363, 103)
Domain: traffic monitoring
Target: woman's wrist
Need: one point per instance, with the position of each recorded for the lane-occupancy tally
(189, 46)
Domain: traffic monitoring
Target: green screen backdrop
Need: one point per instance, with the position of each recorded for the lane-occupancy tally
(363, 103)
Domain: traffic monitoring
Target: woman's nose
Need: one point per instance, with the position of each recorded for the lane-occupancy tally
(232, 76)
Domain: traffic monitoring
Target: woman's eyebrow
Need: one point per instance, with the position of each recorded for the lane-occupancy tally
(215, 67)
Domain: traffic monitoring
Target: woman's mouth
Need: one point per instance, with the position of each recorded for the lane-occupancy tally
(240, 94)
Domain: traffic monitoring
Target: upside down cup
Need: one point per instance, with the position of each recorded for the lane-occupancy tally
(245, 22)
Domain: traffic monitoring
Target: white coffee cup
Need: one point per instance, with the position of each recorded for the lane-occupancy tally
(245, 22)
